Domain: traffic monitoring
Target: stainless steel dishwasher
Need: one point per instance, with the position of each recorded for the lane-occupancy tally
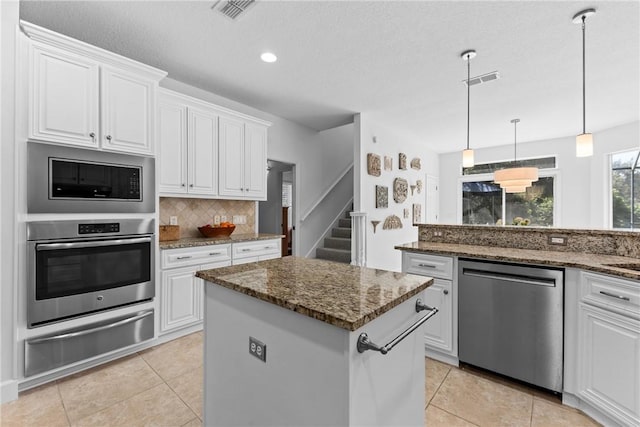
(510, 320)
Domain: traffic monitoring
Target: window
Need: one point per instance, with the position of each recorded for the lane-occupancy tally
(625, 190)
(484, 202)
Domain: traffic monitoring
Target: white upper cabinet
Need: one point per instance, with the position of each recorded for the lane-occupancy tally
(127, 112)
(243, 159)
(188, 146)
(85, 96)
(63, 95)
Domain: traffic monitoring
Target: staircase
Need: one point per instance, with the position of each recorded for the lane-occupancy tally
(338, 246)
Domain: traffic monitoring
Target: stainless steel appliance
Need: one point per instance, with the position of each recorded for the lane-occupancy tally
(54, 350)
(74, 180)
(78, 267)
(510, 320)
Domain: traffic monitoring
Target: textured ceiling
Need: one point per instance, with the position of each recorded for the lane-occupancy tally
(397, 60)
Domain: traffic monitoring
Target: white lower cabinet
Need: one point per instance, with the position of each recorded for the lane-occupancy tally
(608, 364)
(182, 291)
(440, 332)
(260, 250)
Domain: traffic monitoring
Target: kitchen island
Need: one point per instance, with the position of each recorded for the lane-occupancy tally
(281, 345)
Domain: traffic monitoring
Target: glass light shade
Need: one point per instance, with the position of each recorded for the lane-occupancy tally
(467, 158)
(584, 145)
(515, 174)
(515, 183)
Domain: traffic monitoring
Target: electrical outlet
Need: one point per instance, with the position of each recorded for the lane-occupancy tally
(223, 218)
(236, 219)
(258, 349)
(173, 220)
(558, 240)
(243, 219)
(216, 220)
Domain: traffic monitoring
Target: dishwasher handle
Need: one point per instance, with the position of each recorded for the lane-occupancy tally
(509, 277)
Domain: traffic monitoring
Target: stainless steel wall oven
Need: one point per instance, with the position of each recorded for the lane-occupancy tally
(79, 267)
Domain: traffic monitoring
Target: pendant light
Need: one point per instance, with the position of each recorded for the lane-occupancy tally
(515, 179)
(467, 155)
(584, 141)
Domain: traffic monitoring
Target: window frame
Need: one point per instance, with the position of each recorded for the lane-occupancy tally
(609, 189)
(542, 173)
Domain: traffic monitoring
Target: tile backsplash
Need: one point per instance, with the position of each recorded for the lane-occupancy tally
(193, 213)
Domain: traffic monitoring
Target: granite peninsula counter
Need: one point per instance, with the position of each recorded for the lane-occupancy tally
(309, 314)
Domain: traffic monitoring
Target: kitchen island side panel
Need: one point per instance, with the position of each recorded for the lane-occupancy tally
(304, 381)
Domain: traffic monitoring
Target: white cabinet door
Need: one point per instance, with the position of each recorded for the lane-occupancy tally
(63, 97)
(172, 152)
(181, 298)
(203, 152)
(127, 112)
(255, 162)
(608, 363)
(232, 157)
(438, 331)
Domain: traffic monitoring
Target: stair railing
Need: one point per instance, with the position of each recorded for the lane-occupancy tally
(358, 239)
(326, 193)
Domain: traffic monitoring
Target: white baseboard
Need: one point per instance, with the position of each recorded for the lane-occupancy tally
(575, 402)
(8, 391)
(440, 357)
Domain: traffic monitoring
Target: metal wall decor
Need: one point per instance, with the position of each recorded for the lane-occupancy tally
(419, 186)
(388, 163)
(406, 213)
(415, 163)
(402, 161)
(392, 222)
(400, 190)
(413, 188)
(417, 213)
(382, 196)
(375, 224)
(373, 164)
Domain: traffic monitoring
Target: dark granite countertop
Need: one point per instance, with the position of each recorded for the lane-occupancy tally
(342, 295)
(190, 242)
(586, 261)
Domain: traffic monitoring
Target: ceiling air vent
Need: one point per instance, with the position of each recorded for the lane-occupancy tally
(232, 8)
(494, 75)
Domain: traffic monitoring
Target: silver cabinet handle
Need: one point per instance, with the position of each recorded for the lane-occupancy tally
(446, 292)
(427, 265)
(93, 136)
(364, 343)
(615, 296)
(191, 185)
(108, 137)
(92, 330)
(183, 257)
(215, 253)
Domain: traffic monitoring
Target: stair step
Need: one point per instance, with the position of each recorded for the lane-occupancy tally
(332, 254)
(337, 243)
(345, 223)
(341, 232)
(348, 215)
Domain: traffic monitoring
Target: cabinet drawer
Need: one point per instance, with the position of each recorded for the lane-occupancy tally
(183, 257)
(612, 292)
(260, 248)
(428, 265)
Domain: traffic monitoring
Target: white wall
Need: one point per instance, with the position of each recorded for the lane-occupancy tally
(8, 22)
(390, 142)
(319, 156)
(583, 182)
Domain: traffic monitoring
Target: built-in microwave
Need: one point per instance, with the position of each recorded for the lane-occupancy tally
(74, 180)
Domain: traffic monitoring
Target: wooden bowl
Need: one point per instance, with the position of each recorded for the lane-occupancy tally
(216, 231)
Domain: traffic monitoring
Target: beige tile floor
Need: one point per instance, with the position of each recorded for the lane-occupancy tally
(162, 386)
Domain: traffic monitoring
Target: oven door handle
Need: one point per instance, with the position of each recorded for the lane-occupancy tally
(90, 244)
(92, 330)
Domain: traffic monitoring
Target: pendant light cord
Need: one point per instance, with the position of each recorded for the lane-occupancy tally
(468, 95)
(584, 102)
(515, 126)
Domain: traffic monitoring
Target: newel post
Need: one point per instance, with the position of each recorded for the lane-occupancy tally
(358, 239)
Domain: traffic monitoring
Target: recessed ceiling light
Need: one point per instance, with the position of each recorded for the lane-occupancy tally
(268, 57)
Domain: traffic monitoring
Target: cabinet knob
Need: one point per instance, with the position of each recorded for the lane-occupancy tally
(191, 185)
(183, 184)
(446, 292)
(108, 137)
(93, 136)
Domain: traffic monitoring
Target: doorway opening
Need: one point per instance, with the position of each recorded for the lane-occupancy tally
(276, 215)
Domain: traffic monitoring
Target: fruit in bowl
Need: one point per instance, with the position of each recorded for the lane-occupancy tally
(225, 229)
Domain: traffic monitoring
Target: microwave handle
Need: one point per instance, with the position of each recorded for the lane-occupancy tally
(90, 244)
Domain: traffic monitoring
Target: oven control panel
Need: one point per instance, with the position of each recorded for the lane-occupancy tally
(111, 227)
